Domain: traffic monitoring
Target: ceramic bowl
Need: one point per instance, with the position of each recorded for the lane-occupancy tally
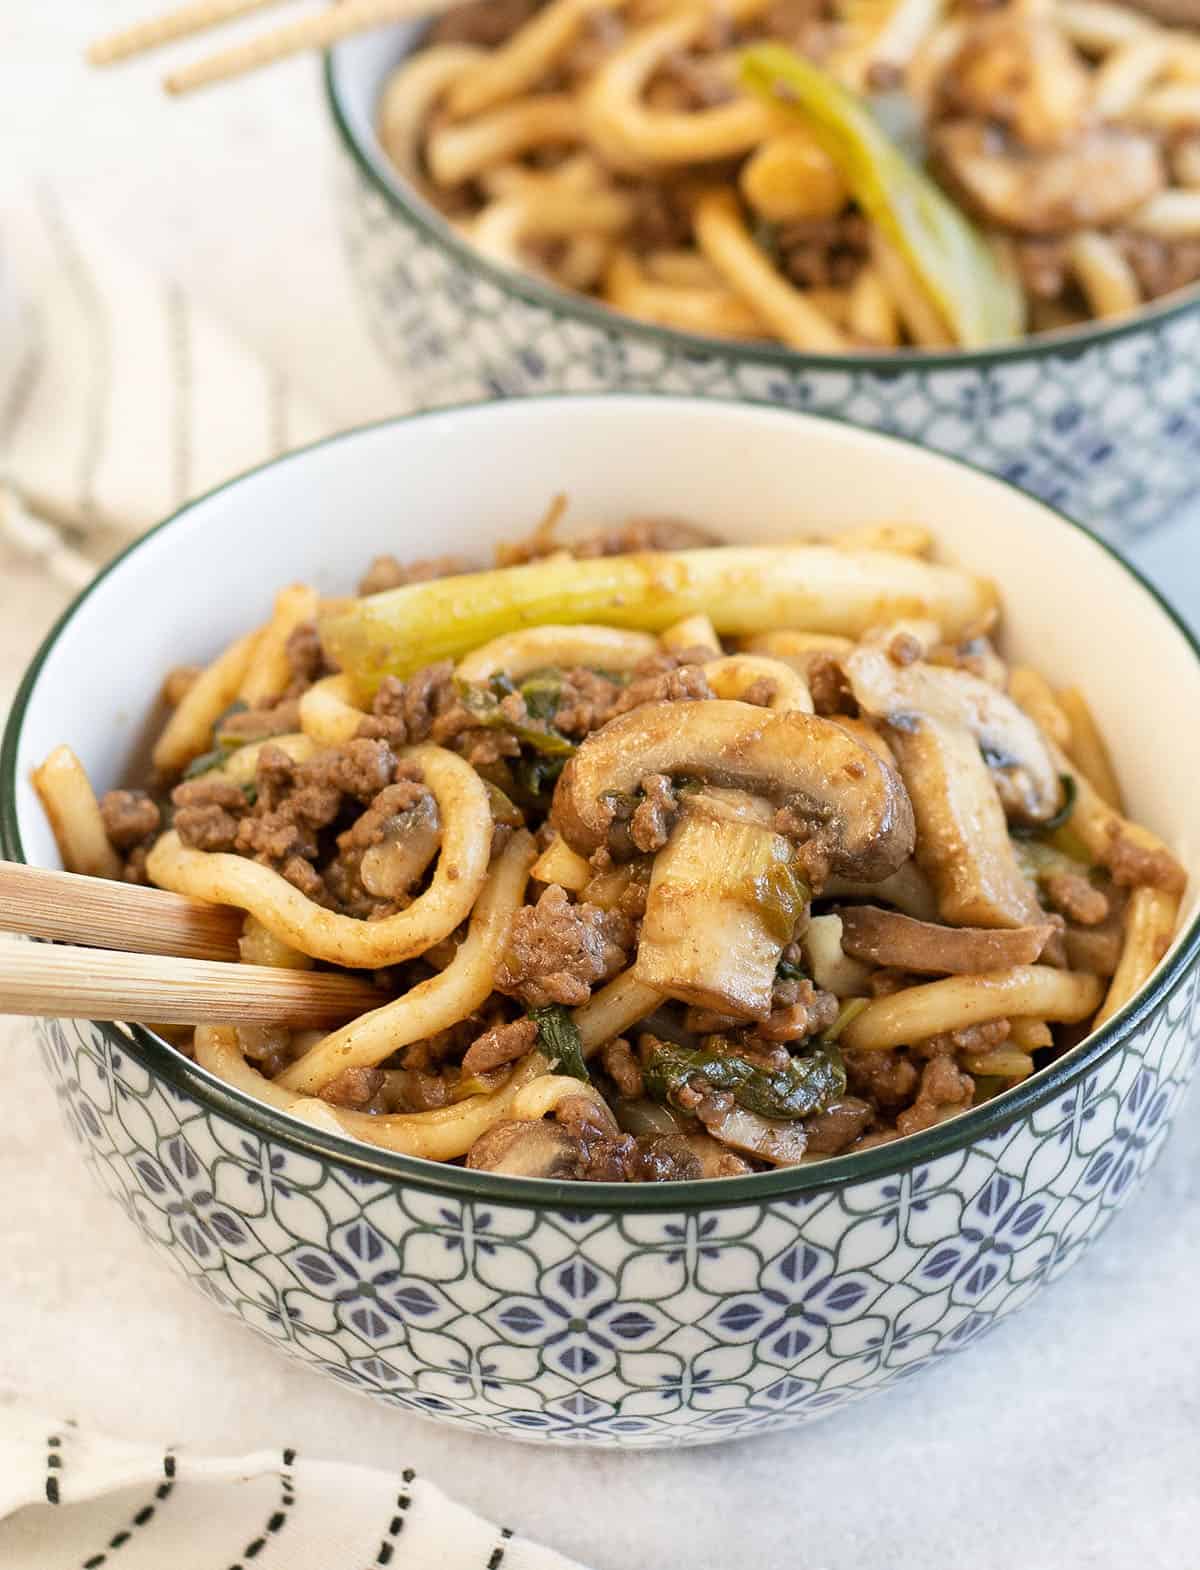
(1100, 421)
(606, 1314)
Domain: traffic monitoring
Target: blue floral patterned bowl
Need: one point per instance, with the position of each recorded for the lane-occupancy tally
(594, 1313)
(1101, 421)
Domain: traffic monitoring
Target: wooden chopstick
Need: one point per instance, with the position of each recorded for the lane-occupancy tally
(311, 32)
(172, 25)
(100, 913)
(69, 983)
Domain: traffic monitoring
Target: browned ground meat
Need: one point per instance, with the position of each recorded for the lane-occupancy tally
(836, 1129)
(1132, 864)
(1044, 265)
(1159, 265)
(557, 951)
(130, 816)
(944, 1089)
(486, 23)
(654, 681)
(354, 1087)
(305, 654)
(971, 1038)
(385, 572)
(888, 1078)
(623, 1068)
(207, 813)
(585, 702)
(502, 1044)
(654, 816)
(1077, 898)
(809, 1013)
(829, 688)
(277, 718)
(823, 253)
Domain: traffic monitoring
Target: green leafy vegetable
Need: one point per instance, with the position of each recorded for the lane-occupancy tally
(808, 1084)
(559, 1037)
(850, 1009)
(206, 762)
(483, 703)
(949, 257)
(1032, 830)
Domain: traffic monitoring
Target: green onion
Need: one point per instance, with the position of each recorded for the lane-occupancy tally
(949, 257)
(560, 1040)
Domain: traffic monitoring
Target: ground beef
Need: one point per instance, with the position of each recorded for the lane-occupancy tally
(486, 23)
(502, 1044)
(276, 718)
(684, 682)
(355, 1088)
(828, 685)
(208, 813)
(400, 796)
(802, 25)
(654, 816)
(623, 1068)
(557, 951)
(586, 701)
(1132, 865)
(427, 707)
(970, 1038)
(130, 817)
(1159, 265)
(944, 1089)
(836, 1129)
(605, 1154)
(809, 1013)
(761, 692)
(823, 253)
(385, 572)
(1075, 897)
(305, 654)
(688, 81)
(888, 1078)
(1044, 266)
(662, 216)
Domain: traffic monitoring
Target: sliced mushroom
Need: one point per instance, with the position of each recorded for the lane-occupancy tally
(410, 842)
(782, 1144)
(1020, 72)
(963, 845)
(865, 816)
(907, 889)
(885, 937)
(530, 1148)
(724, 898)
(1096, 180)
(1020, 761)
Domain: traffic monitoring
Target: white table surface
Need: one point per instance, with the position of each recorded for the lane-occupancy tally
(1068, 1439)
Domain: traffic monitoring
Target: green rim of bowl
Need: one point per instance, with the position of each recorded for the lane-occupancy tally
(957, 1134)
(1065, 343)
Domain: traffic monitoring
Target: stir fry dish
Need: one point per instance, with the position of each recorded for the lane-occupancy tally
(833, 175)
(672, 859)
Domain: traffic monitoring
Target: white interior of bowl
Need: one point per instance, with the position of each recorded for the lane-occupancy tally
(460, 480)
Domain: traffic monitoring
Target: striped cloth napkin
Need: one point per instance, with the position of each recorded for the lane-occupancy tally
(70, 1499)
(120, 397)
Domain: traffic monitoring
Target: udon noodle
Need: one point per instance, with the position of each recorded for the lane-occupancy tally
(671, 859)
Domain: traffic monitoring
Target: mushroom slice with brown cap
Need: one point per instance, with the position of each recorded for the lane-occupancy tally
(862, 812)
(1016, 752)
(1095, 180)
(885, 937)
(963, 845)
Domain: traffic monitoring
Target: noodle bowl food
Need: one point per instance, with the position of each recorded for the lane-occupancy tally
(676, 859)
(718, 168)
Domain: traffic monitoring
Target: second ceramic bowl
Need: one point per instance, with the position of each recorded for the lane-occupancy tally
(1100, 421)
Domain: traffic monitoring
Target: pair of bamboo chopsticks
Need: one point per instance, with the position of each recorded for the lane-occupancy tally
(149, 957)
(315, 31)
